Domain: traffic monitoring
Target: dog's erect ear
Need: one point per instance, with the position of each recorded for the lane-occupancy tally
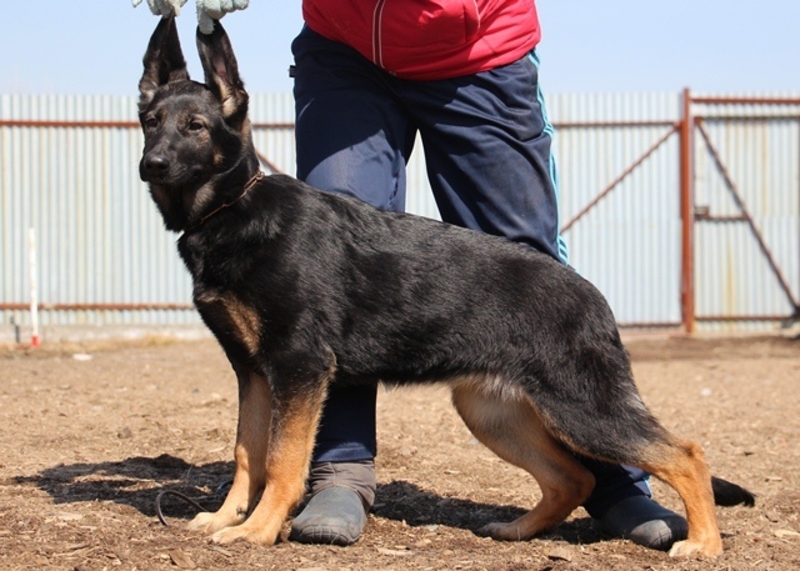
(163, 61)
(222, 73)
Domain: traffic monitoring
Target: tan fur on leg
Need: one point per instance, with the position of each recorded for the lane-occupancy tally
(287, 463)
(250, 454)
(683, 467)
(510, 426)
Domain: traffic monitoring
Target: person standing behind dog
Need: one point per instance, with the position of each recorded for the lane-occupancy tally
(463, 74)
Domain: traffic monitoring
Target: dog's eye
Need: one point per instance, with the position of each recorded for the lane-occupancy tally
(151, 122)
(196, 126)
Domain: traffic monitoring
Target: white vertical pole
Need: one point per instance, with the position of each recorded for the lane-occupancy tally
(34, 291)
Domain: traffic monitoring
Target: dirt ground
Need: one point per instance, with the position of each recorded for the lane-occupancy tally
(90, 434)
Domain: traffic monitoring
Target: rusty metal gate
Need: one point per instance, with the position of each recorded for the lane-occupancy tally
(743, 193)
(704, 213)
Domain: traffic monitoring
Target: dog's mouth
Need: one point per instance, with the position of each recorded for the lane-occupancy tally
(172, 177)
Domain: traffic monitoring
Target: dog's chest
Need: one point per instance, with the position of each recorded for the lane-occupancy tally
(230, 318)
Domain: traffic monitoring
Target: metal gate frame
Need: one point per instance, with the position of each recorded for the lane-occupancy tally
(692, 125)
(690, 128)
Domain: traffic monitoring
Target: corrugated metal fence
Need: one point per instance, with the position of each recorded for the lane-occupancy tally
(684, 210)
(746, 210)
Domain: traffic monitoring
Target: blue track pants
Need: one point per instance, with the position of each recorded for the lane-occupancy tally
(487, 144)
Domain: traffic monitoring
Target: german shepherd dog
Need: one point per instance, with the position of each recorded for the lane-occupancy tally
(304, 289)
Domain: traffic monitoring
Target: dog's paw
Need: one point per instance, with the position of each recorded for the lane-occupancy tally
(246, 533)
(690, 548)
(209, 522)
(502, 532)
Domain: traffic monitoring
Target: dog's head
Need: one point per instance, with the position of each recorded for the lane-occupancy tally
(195, 135)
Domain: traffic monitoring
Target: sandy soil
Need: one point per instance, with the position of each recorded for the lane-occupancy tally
(90, 434)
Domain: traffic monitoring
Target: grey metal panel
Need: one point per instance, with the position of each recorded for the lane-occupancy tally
(759, 148)
(419, 196)
(274, 142)
(101, 239)
(628, 245)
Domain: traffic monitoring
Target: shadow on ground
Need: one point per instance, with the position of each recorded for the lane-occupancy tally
(137, 481)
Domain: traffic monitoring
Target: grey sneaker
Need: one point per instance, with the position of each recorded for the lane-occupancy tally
(643, 521)
(341, 496)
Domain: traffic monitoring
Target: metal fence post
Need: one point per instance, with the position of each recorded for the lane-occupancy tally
(687, 213)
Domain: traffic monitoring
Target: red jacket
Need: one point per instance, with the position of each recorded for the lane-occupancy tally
(429, 39)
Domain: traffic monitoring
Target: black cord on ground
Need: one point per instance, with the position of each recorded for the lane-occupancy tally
(184, 497)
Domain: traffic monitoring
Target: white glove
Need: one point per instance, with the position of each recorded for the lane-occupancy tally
(163, 7)
(209, 10)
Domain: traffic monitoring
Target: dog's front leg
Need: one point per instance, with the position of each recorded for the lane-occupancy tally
(250, 454)
(297, 407)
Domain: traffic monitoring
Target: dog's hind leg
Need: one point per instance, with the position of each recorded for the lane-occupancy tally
(295, 417)
(681, 464)
(511, 427)
(250, 454)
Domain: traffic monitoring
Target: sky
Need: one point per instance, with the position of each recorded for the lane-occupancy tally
(711, 46)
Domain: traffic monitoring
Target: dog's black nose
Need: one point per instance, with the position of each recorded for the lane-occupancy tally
(156, 164)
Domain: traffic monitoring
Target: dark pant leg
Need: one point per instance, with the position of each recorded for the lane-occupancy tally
(352, 139)
(613, 484)
(488, 149)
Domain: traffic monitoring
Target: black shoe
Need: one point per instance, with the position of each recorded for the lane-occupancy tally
(341, 495)
(333, 516)
(643, 521)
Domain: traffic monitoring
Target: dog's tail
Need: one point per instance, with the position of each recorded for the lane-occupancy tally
(728, 494)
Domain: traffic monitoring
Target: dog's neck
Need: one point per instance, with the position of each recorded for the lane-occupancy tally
(245, 189)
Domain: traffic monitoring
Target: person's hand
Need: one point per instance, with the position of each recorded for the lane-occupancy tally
(210, 10)
(163, 7)
(207, 10)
